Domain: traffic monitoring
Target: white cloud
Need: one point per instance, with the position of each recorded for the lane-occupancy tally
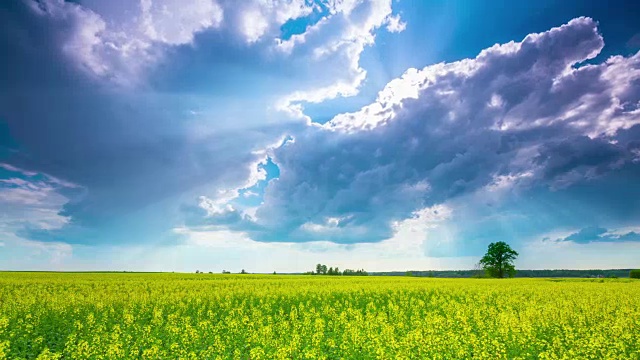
(260, 20)
(395, 24)
(254, 25)
(219, 204)
(32, 199)
(337, 42)
(16, 169)
(415, 234)
(123, 48)
(97, 48)
(175, 22)
(33, 202)
(507, 181)
(120, 49)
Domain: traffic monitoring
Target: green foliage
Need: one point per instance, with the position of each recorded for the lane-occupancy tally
(498, 261)
(634, 274)
(349, 272)
(322, 270)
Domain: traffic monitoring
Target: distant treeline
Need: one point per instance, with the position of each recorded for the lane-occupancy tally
(621, 273)
(322, 269)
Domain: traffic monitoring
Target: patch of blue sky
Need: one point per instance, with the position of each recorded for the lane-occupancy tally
(300, 25)
(252, 196)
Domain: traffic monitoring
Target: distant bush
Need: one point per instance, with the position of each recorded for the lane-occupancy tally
(634, 274)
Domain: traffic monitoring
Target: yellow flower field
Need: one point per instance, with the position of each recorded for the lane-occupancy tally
(204, 316)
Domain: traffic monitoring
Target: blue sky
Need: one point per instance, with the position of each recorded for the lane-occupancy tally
(273, 135)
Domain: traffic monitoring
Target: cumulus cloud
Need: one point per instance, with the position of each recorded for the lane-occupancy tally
(395, 24)
(337, 42)
(261, 20)
(527, 116)
(97, 48)
(126, 49)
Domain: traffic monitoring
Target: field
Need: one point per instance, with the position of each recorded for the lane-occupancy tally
(204, 316)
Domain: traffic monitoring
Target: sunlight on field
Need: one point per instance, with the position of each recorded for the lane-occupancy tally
(204, 316)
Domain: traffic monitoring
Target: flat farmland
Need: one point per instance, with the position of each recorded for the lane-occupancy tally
(207, 316)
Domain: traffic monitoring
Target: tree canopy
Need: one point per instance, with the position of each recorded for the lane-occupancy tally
(498, 261)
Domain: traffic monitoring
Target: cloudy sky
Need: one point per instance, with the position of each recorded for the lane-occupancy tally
(271, 135)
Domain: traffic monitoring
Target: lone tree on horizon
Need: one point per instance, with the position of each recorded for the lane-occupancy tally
(498, 261)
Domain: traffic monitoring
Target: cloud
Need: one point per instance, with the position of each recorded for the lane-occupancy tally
(117, 54)
(143, 148)
(173, 23)
(126, 50)
(337, 42)
(261, 20)
(598, 234)
(530, 117)
(395, 24)
(32, 199)
(137, 154)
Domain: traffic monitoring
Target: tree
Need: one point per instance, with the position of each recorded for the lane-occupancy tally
(318, 269)
(330, 272)
(323, 269)
(243, 272)
(498, 261)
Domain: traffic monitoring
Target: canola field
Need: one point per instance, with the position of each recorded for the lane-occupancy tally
(204, 316)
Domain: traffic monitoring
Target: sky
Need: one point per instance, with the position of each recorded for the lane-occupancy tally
(272, 135)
